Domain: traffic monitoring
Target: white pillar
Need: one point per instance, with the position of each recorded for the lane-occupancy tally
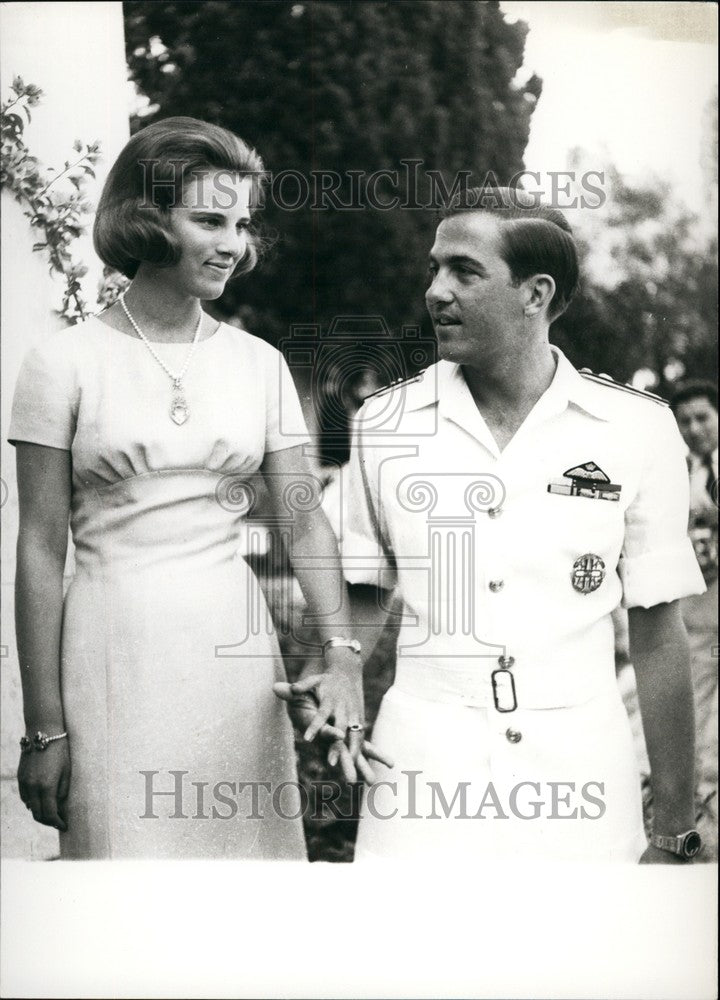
(75, 53)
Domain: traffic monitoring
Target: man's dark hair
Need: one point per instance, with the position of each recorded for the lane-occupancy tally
(694, 389)
(536, 239)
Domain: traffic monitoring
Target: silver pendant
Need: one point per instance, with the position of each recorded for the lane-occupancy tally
(179, 411)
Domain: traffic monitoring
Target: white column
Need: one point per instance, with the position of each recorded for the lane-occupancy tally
(75, 53)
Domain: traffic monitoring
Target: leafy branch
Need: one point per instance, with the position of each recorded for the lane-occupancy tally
(58, 215)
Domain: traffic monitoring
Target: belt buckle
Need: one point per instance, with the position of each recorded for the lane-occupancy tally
(503, 685)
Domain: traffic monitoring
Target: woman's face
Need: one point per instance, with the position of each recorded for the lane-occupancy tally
(210, 226)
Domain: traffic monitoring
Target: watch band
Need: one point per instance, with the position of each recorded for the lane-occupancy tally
(673, 844)
(684, 845)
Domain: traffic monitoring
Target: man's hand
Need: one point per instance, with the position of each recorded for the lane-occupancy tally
(302, 702)
(660, 657)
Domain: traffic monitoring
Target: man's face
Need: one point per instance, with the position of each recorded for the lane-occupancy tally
(475, 309)
(698, 422)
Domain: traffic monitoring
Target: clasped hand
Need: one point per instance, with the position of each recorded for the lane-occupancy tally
(335, 695)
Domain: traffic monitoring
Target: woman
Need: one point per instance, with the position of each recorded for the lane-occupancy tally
(150, 685)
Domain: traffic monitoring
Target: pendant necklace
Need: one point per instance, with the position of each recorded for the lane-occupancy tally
(179, 410)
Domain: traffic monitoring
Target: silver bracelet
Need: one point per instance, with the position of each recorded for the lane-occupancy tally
(338, 640)
(39, 741)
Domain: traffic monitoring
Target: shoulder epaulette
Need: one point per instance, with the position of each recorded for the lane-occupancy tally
(604, 379)
(408, 380)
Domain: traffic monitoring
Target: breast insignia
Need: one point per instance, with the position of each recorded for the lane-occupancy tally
(608, 380)
(395, 384)
(586, 480)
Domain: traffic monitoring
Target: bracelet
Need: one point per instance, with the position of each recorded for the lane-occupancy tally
(338, 640)
(39, 741)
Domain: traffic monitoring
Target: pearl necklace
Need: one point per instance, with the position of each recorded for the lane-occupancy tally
(179, 410)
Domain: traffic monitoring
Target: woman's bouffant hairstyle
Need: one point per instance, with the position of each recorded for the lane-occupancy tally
(536, 239)
(147, 179)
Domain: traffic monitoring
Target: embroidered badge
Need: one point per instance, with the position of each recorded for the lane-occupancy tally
(587, 480)
(588, 573)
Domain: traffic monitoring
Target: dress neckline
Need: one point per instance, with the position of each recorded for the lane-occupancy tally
(162, 344)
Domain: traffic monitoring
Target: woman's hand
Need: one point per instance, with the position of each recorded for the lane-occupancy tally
(303, 707)
(339, 694)
(44, 783)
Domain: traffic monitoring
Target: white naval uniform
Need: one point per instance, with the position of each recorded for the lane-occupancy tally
(483, 555)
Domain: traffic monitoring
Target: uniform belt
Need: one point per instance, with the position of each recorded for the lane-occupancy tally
(538, 685)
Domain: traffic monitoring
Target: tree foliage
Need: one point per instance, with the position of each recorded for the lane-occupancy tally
(650, 294)
(339, 86)
(59, 215)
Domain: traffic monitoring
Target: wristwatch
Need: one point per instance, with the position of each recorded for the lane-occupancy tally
(685, 845)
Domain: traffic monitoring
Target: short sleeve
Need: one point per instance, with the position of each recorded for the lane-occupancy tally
(44, 407)
(285, 424)
(658, 562)
(367, 555)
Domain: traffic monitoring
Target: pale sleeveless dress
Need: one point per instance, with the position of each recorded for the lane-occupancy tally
(168, 653)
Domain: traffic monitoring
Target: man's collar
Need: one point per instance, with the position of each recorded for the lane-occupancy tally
(573, 388)
(443, 380)
(697, 461)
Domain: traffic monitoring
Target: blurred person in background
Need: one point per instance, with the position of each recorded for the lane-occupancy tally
(695, 405)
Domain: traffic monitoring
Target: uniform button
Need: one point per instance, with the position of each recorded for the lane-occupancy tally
(513, 736)
(496, 585)
(495, 511)
(506, 662)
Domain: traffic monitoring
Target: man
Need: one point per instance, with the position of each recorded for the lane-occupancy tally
(695, 408)
(517, 503)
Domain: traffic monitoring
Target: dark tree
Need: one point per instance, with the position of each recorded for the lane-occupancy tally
(661, 312)
(341, 86)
